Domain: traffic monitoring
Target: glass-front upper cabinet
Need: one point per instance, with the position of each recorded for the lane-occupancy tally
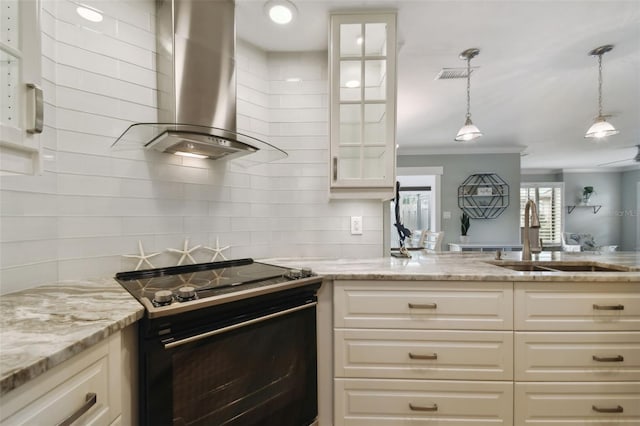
(21, 105)
(363, 105)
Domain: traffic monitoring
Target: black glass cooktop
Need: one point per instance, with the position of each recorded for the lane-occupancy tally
(203, 279)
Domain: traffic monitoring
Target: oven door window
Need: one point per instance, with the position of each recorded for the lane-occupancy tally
(260, 374)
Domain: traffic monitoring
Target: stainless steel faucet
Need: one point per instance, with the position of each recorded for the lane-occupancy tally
(529, 208)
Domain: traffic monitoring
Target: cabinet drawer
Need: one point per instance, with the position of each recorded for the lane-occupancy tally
(430, 305)
(581, 356)
(68, 398)
(577, 403)
(361, 402)
(421, 354)
(577, 306)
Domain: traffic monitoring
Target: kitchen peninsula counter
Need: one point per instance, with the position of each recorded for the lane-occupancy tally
(42, 327)
(467, 266)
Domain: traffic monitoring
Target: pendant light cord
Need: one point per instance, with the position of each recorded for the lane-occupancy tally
(600, 85)
(468, 87)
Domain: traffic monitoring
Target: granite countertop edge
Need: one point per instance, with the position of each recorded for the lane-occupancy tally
(42, 327)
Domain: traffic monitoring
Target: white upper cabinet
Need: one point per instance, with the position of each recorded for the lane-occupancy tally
(21, 108)
(363, 105)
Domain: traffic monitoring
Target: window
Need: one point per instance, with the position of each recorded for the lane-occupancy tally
(548, 199)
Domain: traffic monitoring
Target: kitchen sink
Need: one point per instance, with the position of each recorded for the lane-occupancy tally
(559, 266)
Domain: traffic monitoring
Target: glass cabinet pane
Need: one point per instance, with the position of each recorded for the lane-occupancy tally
(350, 124)
(375, 80)
(9, 73)
(375, 124)
(351, 40)
(375, 42)
(349, 163)
(374, 159)
(350, 76)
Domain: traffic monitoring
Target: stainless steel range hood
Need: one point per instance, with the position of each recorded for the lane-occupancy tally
(196, 80)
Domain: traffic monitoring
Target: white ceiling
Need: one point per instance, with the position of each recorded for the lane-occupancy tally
(535, 90)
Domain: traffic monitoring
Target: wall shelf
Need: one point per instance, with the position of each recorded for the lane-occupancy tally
(483, 196)
(596, 208)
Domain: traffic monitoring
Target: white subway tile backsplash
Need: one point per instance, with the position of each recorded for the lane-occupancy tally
(21, 277)
(89, 227)
(21, 228)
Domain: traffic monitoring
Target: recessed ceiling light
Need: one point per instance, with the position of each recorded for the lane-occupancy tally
(293, 80)
(352, 84)
(280, 11)
(89, 14)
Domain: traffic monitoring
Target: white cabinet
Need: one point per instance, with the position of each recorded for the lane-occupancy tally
(362, 62)
(95, 387)
(577, 353)
(21, 101)
(411, 352)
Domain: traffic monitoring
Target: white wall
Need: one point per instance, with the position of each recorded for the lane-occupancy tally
(93, 203)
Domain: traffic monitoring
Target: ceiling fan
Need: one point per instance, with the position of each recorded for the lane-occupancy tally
(635, 159)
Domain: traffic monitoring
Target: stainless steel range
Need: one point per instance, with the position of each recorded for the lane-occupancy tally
(226, 343)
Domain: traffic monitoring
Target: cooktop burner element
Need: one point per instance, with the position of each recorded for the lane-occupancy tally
(165, 291)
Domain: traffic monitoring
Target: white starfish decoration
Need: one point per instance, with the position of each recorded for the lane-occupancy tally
(186, 252)
(217, 251)
(144, 258)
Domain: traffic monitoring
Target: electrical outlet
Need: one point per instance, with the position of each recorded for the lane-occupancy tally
(356, 225)
(446, 215)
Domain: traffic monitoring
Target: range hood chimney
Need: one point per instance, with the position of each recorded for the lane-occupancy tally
(196, 81)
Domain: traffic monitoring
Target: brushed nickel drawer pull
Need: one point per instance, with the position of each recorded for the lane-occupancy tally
(616, 409)
(90, 400)
(608, 307)
(335, 169)
(423, 305)
(433, 407)
(617, 358)
(426, 356)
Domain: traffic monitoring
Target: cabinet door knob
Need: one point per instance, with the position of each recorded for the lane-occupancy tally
(425, 356)
(423, 305)
(433, 407)
(617, 358)
(616, 409)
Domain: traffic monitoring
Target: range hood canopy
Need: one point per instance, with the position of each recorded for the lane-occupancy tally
(196, 80)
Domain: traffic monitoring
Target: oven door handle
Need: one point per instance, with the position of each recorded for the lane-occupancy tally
(176, 343)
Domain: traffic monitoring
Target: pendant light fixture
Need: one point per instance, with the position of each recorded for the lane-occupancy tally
(469, 131)
(601, 127)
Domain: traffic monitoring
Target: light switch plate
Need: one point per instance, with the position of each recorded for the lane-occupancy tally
(356, 225)
(446, 215)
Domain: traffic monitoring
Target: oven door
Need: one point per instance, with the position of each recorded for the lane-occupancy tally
(259, 369)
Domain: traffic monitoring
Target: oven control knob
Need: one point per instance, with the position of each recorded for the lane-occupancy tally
(306, 272)
(163, 297)
(186, 293)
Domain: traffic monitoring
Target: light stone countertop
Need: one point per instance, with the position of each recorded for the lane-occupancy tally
(452, 266)
(44, 326)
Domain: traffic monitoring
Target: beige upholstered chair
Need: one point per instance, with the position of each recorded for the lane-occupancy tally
(431, 241)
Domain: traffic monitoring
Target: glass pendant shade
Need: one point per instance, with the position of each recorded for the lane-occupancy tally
(600, 129)
(468, 132)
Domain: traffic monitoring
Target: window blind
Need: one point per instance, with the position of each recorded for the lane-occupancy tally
(548, 199)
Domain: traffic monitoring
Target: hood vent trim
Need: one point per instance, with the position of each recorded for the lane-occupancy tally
(196, 87)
